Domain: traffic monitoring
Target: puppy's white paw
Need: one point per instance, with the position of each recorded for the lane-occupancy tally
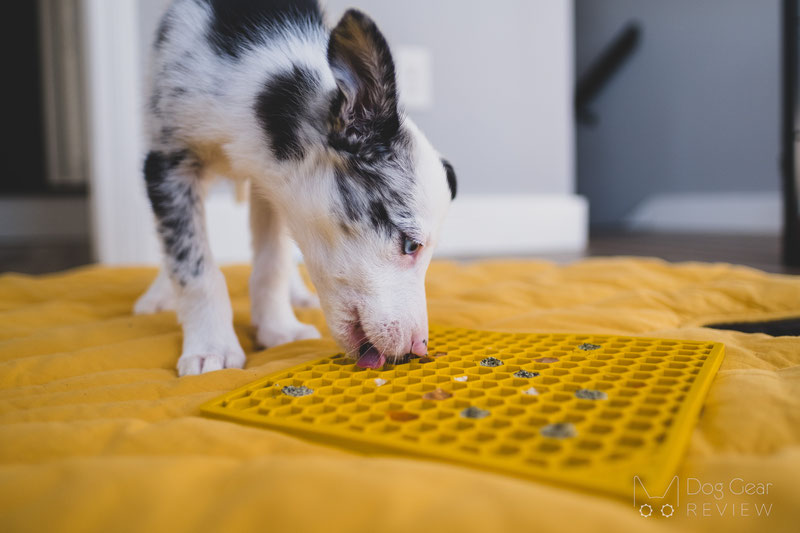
(192, 364)
(274, 334)
(304, 299)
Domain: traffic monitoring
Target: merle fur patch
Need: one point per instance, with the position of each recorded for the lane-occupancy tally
(176, 204)
(281, 108)
(376, 193)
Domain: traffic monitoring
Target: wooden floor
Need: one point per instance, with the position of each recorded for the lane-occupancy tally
(758, 251)
(762, 252)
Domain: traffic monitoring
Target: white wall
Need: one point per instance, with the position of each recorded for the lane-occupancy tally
(502, 113)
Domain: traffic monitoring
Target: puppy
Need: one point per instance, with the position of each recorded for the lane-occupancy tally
(263, 91)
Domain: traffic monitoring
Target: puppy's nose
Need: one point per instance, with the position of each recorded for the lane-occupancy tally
(419, 347)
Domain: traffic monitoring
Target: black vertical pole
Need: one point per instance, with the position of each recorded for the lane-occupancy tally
(789, 116)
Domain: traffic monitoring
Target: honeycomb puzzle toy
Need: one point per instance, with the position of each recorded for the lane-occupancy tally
(591, 411)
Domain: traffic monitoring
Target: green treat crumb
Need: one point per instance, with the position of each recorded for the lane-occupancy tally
(474, 412)
(525, 374)
(302, 390)
(591, 394)
(588, 347)
(561, 430)
(491, 361)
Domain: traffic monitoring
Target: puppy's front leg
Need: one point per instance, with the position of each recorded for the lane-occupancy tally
(271, 283)
(202, 303)
(298, 291)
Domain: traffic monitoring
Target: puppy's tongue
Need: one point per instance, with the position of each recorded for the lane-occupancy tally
(371, 358)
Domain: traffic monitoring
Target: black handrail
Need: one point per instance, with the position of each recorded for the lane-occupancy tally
(603, 69)
(791, 217)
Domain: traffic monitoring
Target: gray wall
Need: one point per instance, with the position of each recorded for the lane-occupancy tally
(696, 109)
(502, 84)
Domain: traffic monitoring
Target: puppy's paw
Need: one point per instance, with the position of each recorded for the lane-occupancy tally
(159, 297)
(192, 364)
(273, 334)
(304, 299)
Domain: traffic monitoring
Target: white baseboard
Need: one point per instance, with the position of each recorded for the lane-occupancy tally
(22, 219)
(732, 212)
(491, 225)
(476, 226)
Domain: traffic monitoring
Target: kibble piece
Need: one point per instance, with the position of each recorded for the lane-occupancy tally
(302, 390)
(440, 354)
(474, 412)
(561, 430)
(402, 416)
(588, 347)
(546, 360)
(525, 374)
(591, 394)
(491, 362)
(437, 394)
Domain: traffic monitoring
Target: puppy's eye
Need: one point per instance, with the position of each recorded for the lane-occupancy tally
(410, 246)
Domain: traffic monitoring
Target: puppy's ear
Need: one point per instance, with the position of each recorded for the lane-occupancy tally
(450, 173)
(364, 113)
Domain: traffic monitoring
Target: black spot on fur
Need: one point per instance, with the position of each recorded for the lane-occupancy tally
(451, 177)
(238, 25)
(281, 107)
(379, 216)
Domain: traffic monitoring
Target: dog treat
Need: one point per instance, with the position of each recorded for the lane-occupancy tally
(402, 416)
(474, 412)
(437, 394)
(491, 362)
(379, 382)
(302, 390)
(426, 359)
(591, 394)
(525, 374)
(460, 378)
(440, 354)
(546, 360)
(531, 391)
(588, 347)
(561, 430)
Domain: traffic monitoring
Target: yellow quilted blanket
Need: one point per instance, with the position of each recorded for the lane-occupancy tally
(97, 433)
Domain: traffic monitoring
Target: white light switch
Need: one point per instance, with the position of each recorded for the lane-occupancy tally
(414, 66)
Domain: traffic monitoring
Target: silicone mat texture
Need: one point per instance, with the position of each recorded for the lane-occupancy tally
(589, 411)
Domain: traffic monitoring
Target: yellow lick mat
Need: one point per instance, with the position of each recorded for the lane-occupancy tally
(97, 433)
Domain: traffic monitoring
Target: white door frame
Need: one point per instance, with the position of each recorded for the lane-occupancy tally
(121, 222)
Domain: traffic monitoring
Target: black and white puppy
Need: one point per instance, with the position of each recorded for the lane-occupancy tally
(263, 91)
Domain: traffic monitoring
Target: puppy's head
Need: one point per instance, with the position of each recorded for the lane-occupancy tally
(371, 244)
